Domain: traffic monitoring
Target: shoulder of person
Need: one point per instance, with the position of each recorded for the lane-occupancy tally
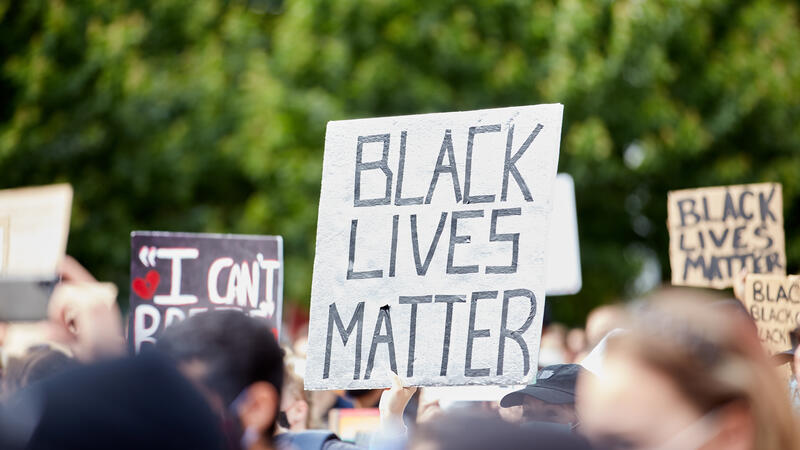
(311, 439)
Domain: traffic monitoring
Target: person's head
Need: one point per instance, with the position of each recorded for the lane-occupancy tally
(550, 399)
(364, 398)
(553, 345)
(38, 363)
(686, 375)
(236, 361)
(601, 320)
(576, 342)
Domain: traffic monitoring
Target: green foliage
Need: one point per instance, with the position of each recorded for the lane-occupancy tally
(209, 115)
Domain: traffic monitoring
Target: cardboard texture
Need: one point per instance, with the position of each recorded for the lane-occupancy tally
(34, 224)
(431, 248)
(774, 303)
(563, 250)
(714, 232)
(177, 275)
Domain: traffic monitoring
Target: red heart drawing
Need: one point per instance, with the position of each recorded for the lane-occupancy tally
(146, 287)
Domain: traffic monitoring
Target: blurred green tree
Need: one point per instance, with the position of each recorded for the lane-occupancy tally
(209, 115)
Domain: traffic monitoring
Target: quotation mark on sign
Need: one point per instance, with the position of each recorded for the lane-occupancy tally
(147, 255)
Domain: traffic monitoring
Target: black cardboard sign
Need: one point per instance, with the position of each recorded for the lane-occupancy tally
(177, 275)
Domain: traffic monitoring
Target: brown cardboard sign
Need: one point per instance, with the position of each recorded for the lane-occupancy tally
(774, 303)
(715, 232)
(34, 223)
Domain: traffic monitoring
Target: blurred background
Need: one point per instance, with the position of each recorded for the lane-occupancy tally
(210, 115)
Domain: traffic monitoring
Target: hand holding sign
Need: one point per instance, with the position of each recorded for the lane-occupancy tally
(392, 404)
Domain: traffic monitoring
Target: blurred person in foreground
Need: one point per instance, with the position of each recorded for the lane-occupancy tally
(75, 390)
(686, 375)
(294, 414)
(121, 403)
(236, 362)
(82, 324)
(551, 399)
(37, 364)
(129, 403)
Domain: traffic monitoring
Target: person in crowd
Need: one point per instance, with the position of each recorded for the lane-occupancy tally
(470, 431)
(686, 375)
(237, 363)
(576, 344)
(127, 403)
(83, 321)
(553, 345)
(37, 364)
(601, 320)
(594, 360)
(550, 399)
(294, 403)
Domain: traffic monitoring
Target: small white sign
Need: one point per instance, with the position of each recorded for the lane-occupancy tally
(34, 224)
(431, 248)
(3, 248)
(563, 251)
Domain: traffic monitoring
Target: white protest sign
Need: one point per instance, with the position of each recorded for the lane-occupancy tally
(563, 251)
(3, 240)
(431, 248)
(34, 224)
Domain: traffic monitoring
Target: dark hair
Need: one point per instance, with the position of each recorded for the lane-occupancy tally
(38, 363)
(236, 349)
(358, 393)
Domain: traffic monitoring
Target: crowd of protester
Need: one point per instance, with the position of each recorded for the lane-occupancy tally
(679, 372)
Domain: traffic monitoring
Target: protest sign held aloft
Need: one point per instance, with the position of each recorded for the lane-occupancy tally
(431, 248)
(774, 303)
(176, 275)
(715, 232)
(34, 224)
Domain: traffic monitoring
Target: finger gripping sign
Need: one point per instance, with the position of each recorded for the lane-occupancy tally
(715, 232)
(177, 275)
(430, 254)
